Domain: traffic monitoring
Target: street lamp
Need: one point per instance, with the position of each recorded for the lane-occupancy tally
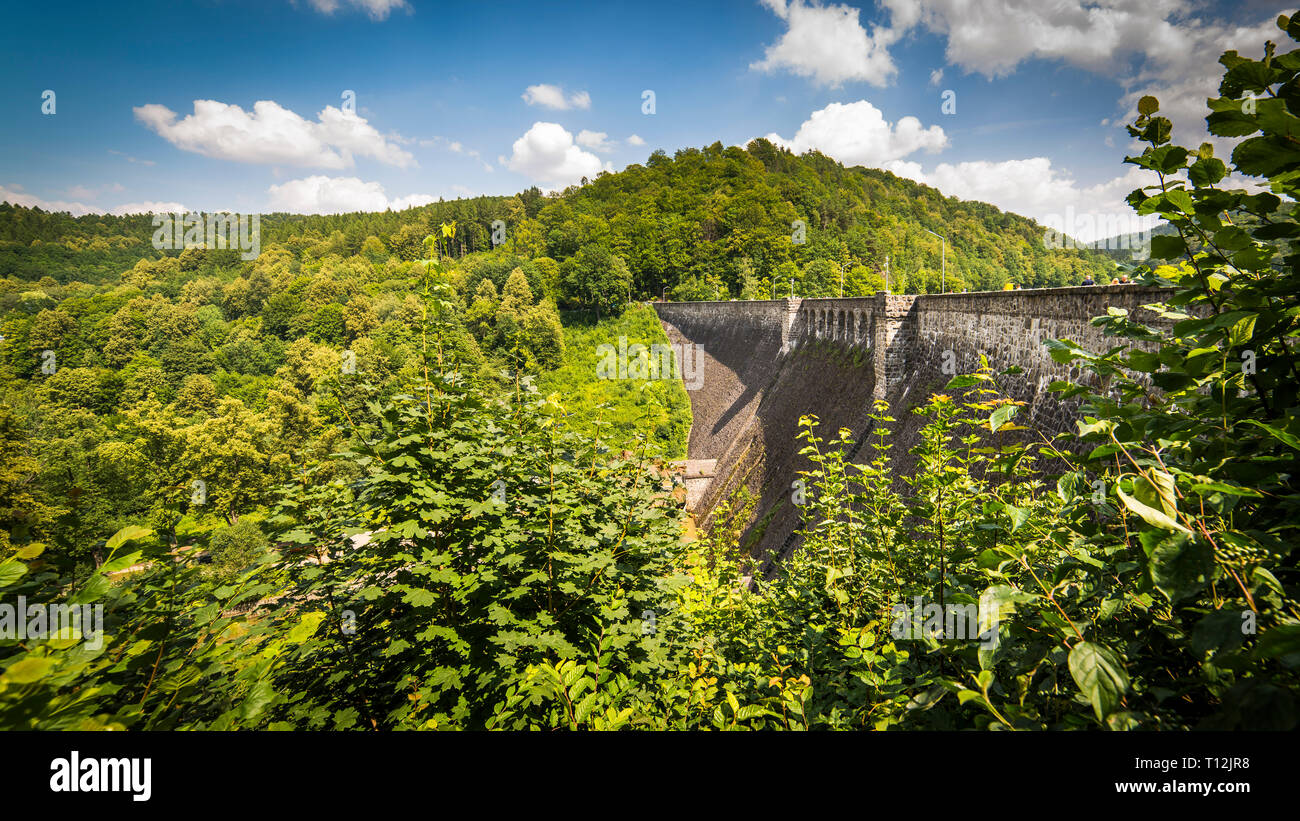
(943, 277)
(841, 279)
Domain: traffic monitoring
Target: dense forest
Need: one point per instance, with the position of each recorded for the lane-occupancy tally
(709, 223)
(372, 480)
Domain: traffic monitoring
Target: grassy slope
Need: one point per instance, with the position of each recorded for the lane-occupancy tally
(658, 407)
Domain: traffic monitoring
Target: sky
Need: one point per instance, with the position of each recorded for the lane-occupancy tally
(327, 106)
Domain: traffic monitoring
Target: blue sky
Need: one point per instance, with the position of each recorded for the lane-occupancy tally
(470, 98)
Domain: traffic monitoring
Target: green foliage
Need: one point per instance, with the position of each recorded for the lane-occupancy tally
(594, 279)
(616, 409)
(451, 549)
(237, 547)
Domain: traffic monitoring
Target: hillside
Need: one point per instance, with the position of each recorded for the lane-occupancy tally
(704, 224)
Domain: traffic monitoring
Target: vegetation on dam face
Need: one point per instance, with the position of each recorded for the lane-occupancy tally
(519, 562)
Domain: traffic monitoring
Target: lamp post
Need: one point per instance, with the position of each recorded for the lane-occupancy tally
(943, 276)
(841, 279)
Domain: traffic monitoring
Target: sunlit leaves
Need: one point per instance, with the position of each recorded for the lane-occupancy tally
(1100, 675)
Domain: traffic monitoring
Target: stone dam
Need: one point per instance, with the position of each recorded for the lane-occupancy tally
(760, 365)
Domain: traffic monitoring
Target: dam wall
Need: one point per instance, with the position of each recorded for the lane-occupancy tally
(761, 365)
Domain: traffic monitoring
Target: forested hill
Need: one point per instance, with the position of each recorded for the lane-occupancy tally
(704, 224)
(696, 217)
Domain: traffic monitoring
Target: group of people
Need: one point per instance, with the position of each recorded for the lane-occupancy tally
(1122, 279)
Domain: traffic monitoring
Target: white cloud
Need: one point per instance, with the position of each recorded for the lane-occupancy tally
(828, 44)
(547, 153)
(858, 134)
(936, 77)
(1155, 47)
(1034, 188)
(415, 200)
(457, 147)
(1166, 48)
(549, 96)
(595, 140)
(150, 207)
(14, 195)
(319, 194)
(82, 192)
(129, 158)
(272, 134)
(376, 9)
(635, 140)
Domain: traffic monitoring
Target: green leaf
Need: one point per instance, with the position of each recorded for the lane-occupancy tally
(1167, 246)
(1100, 675)
(965, 381)
(1207, 171)
(1282, 640)
(11, 571)
(258, 699)
(1181, 566)
(1182, 200)
(30, 551)
(1067, 487)
(125, 535)
(305, 627)
(1002, 415)
(1150, 515)
(121, 562)
(1219, 630)
(1018, 516)
(1143, 361)
(29, 670)
(583, 709)
(1281, 435)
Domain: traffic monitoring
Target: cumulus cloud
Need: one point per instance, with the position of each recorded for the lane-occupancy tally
(15, 195)
(548, 154)
(376, 9)
(595, 140)
(1157, 47)
(1035, 188)
(828, 44)
(549, 96)
(1152, 47)
(273, 134)
(858, 134)
(635, 140)
(319, 194)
